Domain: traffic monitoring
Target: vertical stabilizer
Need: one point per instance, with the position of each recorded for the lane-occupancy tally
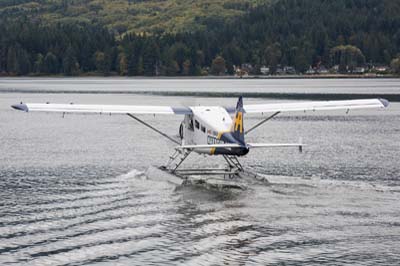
(237, 125)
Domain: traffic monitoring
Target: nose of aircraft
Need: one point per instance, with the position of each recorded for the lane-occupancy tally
(20, 106)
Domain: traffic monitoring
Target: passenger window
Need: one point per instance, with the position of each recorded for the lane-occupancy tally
(203, 129)
(197, 124)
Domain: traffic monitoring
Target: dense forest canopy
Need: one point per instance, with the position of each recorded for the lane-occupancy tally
(295, 33)
(130, 15)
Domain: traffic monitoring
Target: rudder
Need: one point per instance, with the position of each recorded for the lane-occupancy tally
(237, 125)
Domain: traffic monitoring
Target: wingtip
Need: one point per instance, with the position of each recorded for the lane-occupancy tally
(384, 102)
(20, 107)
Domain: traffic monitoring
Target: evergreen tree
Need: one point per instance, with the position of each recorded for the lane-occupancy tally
(301, 64)
(51, 64)
(23, 62)
(140, 69)
(122, 64)
(12, 63)
(347, 57)
(186, 66)
(150, 58)
(3, 58)
(218, 66)
(102, 62)
(395, 65)
(272, 56)
(133, 66)
(38, 66)
(70, 63)
(179, 52)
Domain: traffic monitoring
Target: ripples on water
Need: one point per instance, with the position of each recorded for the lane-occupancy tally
(127, 220)
(73, 192)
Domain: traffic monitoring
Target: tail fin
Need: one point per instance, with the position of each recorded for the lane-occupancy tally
(237, 125)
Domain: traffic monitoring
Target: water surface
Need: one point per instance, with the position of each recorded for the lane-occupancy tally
(72, 189)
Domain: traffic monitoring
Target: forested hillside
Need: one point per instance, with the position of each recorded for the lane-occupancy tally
(121, 16)
(295, 33)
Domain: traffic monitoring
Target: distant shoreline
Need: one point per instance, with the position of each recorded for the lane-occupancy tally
(321, 76)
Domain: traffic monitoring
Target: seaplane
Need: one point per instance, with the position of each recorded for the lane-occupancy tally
(210, 131)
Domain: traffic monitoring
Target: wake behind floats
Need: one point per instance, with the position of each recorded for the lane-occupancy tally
(209, 130)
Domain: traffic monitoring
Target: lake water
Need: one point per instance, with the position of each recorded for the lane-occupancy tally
(72, 189)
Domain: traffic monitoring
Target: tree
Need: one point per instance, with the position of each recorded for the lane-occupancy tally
(233, 55)
(3, 58)
(179, 52)
(347, 57)
(150, 58)
(102, 62)
(133, 65)
(186, 67)
(51, 65)
(199, 58)
(230, 68)
(218, 66)
(395, 65)
(122, 64)
(23, 62)
(12, 64)
(140, 69)
(272, 56)
(196, 61)
(18, 62)
(70, 63)
(38, 66)
(171, 68)
(301, 64)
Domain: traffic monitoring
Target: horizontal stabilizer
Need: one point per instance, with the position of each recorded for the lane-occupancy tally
(235, 145)
(210, 146)
(273, 145)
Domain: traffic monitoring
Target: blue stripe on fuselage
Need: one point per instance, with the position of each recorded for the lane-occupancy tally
(228, 137)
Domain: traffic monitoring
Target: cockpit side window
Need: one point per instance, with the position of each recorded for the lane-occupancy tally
(203, 128)
(197, 124)
(191, 124)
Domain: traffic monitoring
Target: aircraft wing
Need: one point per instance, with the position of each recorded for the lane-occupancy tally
(314, 106)
(251, 108)
(101, 109)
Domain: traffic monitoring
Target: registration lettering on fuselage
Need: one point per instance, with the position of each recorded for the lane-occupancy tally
(214, 140)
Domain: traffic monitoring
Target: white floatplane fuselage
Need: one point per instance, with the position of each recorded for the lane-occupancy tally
(210, 125)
